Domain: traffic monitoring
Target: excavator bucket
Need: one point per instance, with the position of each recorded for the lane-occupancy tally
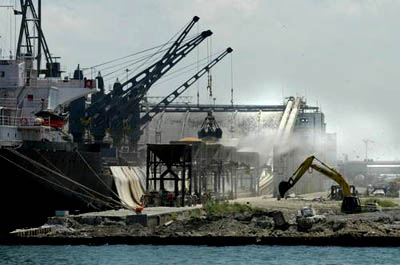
(283, 187)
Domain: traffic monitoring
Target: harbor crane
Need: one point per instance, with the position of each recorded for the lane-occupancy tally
(122, 105)
(180, 90)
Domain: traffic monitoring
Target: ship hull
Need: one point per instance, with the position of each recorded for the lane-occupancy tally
(35, 183)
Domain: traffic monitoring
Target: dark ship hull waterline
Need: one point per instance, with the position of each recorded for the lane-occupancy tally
(37, 182)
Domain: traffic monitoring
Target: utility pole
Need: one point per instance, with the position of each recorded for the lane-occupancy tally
(366, 142)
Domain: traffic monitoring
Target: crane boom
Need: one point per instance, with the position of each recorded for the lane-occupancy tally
(123, 102)
(181, 89)
(147, 76)
(121, 107)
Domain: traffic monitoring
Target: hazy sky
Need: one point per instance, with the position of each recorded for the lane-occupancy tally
(343, 55)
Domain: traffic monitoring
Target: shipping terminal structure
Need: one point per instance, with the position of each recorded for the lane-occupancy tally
(68, 143)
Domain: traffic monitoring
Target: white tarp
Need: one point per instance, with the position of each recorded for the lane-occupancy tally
(129, 182)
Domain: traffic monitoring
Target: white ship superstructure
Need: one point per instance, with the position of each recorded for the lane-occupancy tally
(25, 96)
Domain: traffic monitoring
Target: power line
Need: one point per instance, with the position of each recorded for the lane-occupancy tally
(195, 66)
(129, 55)
(173, 37)
(125, 64)
(148, 60)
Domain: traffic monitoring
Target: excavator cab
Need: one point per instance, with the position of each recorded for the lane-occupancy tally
(337, 192)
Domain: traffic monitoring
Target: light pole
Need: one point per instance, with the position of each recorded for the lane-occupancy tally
(127, 74)
(366, 142)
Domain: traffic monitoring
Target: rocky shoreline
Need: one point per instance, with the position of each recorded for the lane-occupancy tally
(247, 226)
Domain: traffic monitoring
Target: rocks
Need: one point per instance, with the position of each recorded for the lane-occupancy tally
(263, 222)
(304, 224)
(306, 218)
(307, 211)
(242, 217)
(338, 225)
(280, 222)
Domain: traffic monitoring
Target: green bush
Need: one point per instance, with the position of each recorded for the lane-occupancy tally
(381, 202)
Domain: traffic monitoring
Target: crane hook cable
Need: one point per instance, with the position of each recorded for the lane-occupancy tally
(147, 58)
(143, 51)
(175, 73)
(133, 59)
(161, 47)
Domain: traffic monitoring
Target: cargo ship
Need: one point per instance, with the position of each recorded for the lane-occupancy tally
(44, 169)
(64, 142)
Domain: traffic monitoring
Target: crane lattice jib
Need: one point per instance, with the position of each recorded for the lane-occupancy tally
(140, 84)
(24, 29)
(120, 107)
(180, 90)
(143, 78)
(167, 56)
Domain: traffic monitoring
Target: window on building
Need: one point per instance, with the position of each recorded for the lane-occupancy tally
(2, 74)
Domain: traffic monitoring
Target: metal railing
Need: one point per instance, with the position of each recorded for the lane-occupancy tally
(13, 103)
(42, 83)
(19, 121)
(50, 82)
(8, 102)
(10, 82)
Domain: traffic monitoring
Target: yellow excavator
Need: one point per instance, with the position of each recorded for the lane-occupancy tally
(350, 204)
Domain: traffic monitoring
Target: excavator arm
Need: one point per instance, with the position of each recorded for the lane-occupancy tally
(284, 186)
(351, 204)
(335, 176)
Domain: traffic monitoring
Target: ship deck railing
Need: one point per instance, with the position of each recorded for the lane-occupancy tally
(43, 83)
(8, 102)
(20, 121)
(55, 82)
(12, 103)
(11, 82)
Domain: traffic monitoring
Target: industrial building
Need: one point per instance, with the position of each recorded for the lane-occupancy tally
(252, 131)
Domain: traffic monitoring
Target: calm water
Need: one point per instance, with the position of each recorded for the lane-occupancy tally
(190, 255)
